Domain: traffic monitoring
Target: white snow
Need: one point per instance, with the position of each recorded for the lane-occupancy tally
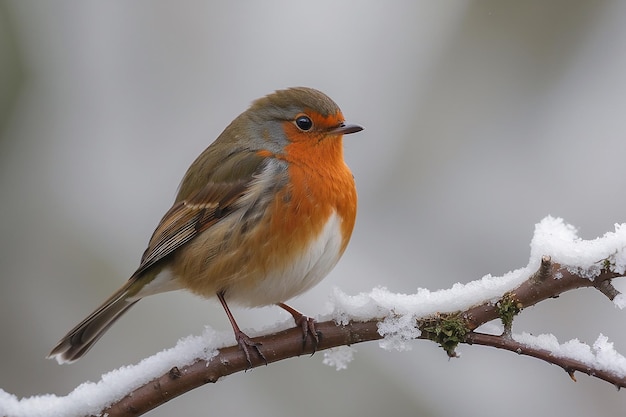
(339, 357)
(90, 398)
(620, 301)
(552, 237)
(601, 355)
(560, 241)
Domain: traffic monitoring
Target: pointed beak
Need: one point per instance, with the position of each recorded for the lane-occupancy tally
(345, 129)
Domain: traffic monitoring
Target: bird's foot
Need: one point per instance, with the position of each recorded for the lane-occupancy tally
(246, 344)
(307, 324)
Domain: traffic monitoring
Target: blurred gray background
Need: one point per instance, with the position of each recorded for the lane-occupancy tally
(481, 118)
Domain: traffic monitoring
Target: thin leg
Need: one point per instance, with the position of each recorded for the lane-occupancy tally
(242, 339)
(306, 323)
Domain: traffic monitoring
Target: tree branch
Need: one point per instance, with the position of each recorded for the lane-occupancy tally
(549, 281)
(448, 330)
(230, 360)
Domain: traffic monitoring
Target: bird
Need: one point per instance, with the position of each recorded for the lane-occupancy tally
(262, 215)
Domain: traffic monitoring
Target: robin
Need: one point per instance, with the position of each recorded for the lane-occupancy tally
(262, 215)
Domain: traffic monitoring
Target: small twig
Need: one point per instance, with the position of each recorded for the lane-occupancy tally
(607, 288)
(569, 365)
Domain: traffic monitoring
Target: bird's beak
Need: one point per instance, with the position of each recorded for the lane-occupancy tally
(345, 129)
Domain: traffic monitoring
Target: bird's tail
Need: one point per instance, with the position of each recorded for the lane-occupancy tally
(82, 337)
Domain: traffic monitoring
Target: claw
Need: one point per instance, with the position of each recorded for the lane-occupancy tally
(245, 342)
(307, 324)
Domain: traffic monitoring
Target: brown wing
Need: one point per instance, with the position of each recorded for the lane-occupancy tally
(196, 213)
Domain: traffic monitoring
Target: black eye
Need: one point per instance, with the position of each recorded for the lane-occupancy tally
(304, 123)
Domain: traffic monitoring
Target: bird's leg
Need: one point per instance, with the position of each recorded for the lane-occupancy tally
(243, 340)
(306, 323)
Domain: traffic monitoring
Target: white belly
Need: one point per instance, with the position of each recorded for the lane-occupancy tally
(304, 272)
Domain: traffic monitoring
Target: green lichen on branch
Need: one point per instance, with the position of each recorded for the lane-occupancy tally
(508, 307)
(446, 329)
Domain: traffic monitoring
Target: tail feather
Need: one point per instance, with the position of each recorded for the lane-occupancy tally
(82, 337)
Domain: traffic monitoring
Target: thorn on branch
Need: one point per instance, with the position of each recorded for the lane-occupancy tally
(570, 372)
(175, 373)
(545, 270)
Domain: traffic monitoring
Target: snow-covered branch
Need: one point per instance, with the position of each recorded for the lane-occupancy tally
(481, 312)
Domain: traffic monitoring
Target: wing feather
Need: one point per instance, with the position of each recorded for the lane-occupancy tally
(199, 211)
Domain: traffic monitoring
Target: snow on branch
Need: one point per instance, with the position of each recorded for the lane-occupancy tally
(559, 261)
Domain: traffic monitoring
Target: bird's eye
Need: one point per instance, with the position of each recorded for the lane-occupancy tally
(304, 123)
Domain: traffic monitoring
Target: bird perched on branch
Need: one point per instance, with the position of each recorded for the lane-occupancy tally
(262, 215)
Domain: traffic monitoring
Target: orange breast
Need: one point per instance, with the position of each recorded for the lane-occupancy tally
(276, 258)
(321, 182)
